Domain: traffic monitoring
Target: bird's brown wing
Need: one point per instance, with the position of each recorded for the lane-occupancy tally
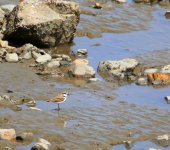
(57, 98)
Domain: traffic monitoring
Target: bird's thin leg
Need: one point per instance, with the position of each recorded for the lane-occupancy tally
(58, 107)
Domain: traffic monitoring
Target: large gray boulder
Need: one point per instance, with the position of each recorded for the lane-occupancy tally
(44, 23)
(126, 69)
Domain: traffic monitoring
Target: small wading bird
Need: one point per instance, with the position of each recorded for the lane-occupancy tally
(59, 99)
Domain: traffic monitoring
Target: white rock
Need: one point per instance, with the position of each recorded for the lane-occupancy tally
(3, 43)
(142, 81)
(82, 51)
(44, 141)
(151, 70)
(19, 58)
(121, 1)
(43, 58)
(27, 55)
(167, 98)
(35, 55)
(34, 108)
(42, 144)
(53, 63)
(7, 134)
(152, 149)
(11, 57)
(163, 137)
(29, 47)
(166, 69)
(94, 79)
(9, 7)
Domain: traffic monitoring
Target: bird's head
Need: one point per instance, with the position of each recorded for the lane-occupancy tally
(65, 94)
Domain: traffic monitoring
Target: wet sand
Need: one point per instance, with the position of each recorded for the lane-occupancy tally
(23, 81)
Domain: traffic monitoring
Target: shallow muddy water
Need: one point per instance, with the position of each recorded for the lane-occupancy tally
(98, 115)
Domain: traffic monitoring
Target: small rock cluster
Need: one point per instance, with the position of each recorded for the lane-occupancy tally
(156, 77)
(28, 51)
(15, 102)
(10, 134)
(47, 64)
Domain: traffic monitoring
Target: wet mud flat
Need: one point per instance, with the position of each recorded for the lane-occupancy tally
(99, 115)
(20, 79)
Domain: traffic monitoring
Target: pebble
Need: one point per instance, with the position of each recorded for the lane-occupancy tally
(165, 69)
(9, 91)
(121, 1)
(167, 14)
(12, 57)
(42, 144)
(128, 144)
(97, 6)
(3, 43)
(153, 149)
(33, 65)
(53, 63)
(157, 82)
(163, 137)
(163, 140)
(27, 55)
(141, 81)
(31, 103)
(167, 98)
(82, 52)
(8, 134)
(34, 108)
(43, 58)
(94, 79)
